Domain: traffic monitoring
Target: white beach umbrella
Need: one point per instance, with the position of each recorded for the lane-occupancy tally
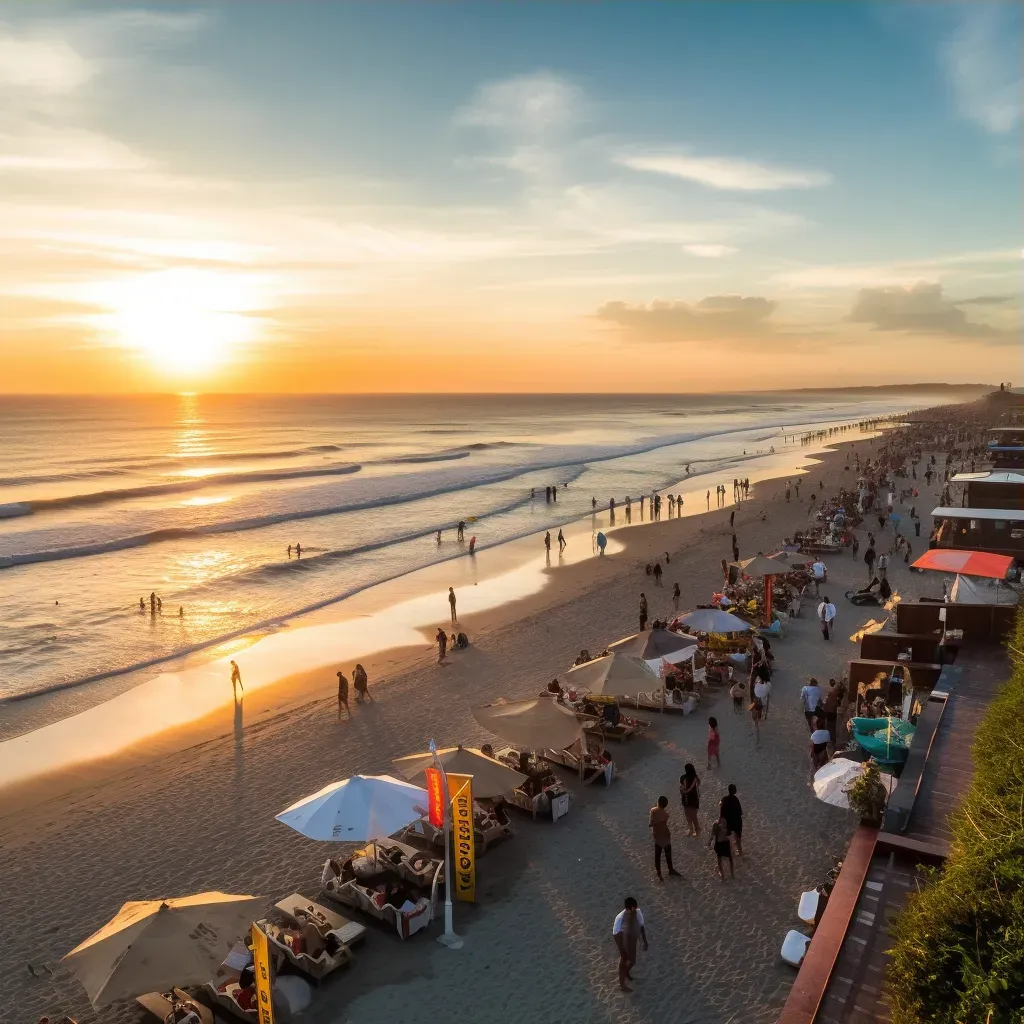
(612, 674)
(156, 944)
(357, 809)
(712, 620)
(832, 781)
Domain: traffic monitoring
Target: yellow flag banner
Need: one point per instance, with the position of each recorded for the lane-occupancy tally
(461, 789)
(261, 967)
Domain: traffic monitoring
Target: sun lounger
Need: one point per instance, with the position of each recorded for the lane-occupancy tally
(347, 932)
(226, 994)
(589, 768)
(411, 865)
(678, 701)
(488, 830)
(406, 921)
(794, 948)
(542, 794)
(807, 909)
(163, 1004)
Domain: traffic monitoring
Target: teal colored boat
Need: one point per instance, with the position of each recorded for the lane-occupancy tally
(887, 740)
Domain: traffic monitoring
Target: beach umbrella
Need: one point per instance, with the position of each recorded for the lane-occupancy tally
(357, 809)
(713, 620)
(612, 674)
(153, 945)
(832, 782)
(967, 563)
(491, 778)
(534, 724)
(656, 645)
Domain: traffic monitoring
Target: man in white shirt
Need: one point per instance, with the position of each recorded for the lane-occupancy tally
(810, 699)
(763, 693)
(819, 746)
(882, 565)
(826, 616)
(820, 573)
(628, 927)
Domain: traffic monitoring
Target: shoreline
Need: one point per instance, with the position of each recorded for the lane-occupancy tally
(546, 587)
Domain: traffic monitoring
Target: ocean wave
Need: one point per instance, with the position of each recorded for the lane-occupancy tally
(433, 457)
(182, 486)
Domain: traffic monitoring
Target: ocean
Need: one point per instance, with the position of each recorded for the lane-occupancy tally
(197, 498)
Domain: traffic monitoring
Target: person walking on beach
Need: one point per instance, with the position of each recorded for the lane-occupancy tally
(442, 644)
(826, 617)
(714, 743)
(709, 500)
(361, 684)
(627, 929)
(643, 612)
(869, 560)
(451, 601)
(737, 691)
(298, 550)
(142, 604)
(561, 542)
(662, 837)
(830, 707)
(756, 709)
(343, 695)
(719, 842)
(689, 795)
(657, 574)
(289, 551)
(236, 680)
(547, 543)
(732, 811)
(763, 693)
(810, 701)
(675, 596)
(732, 519)
(460, 533)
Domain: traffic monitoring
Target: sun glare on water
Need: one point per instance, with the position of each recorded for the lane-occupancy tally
(186, 322)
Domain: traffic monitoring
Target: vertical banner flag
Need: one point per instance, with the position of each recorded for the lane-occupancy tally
(261, 968)
(435, 797)
(461, 789)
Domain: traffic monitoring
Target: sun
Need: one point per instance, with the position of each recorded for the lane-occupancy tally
(186, 322)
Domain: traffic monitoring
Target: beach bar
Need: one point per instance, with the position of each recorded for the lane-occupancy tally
(992, 489)
(998, 530)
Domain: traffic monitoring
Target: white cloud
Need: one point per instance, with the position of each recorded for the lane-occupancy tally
(710, 252)
(40, 65)
(983, 62)
(724, 172)
(528, 105)
(36, 147)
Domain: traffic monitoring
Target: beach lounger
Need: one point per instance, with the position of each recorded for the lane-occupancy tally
(348, 933)
(543, 795)
(488, 830)
(163, 1004)
(411, 865)
(794, 948)
(588, 769)
(225, 994)
(807, 909)
(406, 921)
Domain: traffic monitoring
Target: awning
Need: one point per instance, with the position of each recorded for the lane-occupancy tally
(992, 476)
(969, 563)
(1007, 515)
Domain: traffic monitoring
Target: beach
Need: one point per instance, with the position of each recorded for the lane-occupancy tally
(199, 815)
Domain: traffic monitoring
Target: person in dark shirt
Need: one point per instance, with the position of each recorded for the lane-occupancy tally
(731, 810)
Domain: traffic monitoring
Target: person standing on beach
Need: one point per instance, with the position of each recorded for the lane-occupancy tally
(826, 617)
(869, 560)
(442, 644)
(561, 542)
(709, 500)
(714, 743)
(627, 929)
(732, 518)
(810, 701)
(675, 596)
(361, 684)
(547, 543)
(732, 811)
(643, 612)
(343, 695)
(689, 795)
(236, 680)
(662, 837)
(830, 707)
(720, 843)
(451, 601)
(657, 574)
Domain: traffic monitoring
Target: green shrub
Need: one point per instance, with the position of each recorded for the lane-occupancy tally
(959, 952)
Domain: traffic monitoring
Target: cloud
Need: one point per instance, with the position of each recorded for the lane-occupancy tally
(46, 66)
(39, 147)
(714, 317)
(724, 172)
(921, 309)
(982, 62)
(707, 251)
(526, 105)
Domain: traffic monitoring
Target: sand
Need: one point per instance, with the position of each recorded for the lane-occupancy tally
(538, 945)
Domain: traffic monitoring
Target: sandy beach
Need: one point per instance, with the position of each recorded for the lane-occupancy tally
(193, 809)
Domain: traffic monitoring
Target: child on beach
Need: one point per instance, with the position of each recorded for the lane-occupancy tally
(714, 742)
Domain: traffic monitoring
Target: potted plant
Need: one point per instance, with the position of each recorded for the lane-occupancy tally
(867, 795)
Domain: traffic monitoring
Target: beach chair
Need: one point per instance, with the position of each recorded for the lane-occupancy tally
(807, 908)
(162, 1004)
(406, 920)
(794, 948)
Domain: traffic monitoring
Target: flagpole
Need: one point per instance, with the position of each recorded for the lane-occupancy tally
(449, 938)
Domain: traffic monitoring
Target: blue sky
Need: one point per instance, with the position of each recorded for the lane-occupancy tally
(527, 184)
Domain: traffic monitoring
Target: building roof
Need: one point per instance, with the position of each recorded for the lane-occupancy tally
(1004, 514)
(991, 476)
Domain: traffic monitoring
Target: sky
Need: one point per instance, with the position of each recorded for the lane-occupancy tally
(509, 197)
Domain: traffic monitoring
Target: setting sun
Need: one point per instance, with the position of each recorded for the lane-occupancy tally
(186, 322)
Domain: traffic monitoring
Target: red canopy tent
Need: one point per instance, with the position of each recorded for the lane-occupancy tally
(967, 563)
